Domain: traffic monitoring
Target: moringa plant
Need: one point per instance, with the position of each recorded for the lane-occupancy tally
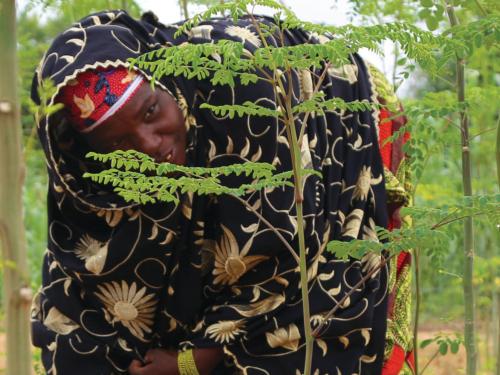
(136, 177)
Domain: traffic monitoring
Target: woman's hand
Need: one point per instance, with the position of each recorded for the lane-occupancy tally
(158, 362)
(164, 362)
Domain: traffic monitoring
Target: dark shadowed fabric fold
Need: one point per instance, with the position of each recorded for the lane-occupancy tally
(120, 278)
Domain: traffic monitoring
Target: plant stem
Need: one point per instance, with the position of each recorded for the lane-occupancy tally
(315, 91)
(496, 300)
(481, 9)
(309, 339)
(497, 336)
(395, 66)
(418, 296)
(428, 362)
(299, 198)
(296, 158)
(497, 152)
(269, 225)
(458, 218)
(469, 324)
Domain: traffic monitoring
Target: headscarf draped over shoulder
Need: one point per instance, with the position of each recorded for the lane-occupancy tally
(108, 264)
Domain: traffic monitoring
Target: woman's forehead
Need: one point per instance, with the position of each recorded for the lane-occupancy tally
(135, 105)
(128, 117)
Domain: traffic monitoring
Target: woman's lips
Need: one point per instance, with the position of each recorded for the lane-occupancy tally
(173, 156)
(166, 157)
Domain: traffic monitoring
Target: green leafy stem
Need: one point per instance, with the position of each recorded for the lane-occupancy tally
(129, 178)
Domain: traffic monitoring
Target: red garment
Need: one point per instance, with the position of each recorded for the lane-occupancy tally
(392, 155)
(395, 363)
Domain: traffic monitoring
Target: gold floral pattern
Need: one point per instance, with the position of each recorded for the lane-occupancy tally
(93, 252)
(287, 338)
(129, 77)
(263, 306)
(363, 185)
(112, 217)
(244, 34)
(348, 72)
(225, 330)
(370, 231)
(129, 306)
(85, 105)
(58, 322)
(230, 262)
(371, 263)
(202, 31)
(352, 223)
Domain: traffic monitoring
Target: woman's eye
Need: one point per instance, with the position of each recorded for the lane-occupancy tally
(150, 111)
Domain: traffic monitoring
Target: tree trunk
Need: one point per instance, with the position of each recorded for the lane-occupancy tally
(17, 295)
(468, 287)
(495, 309)
(496, 299)
(497, 153)
(184, 8)
(495, 328)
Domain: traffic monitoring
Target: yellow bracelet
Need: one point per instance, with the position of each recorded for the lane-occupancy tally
(186, 363)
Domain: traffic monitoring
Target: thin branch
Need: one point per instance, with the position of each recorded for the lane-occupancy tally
(481, 8)
(483, 132)
(497, 152)
(315, 91)
(429, 362)
(439, 223)
(435, 226)
(317, 330)
(269, 225)
(395, 66)
(447, 81)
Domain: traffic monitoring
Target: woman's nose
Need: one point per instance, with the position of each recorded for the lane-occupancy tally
(148, 142)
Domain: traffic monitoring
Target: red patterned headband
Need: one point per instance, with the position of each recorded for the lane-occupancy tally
(96, 95)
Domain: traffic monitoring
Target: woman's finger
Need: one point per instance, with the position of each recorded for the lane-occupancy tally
(135, 367)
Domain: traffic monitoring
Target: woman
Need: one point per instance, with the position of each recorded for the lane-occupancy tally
(122, 279)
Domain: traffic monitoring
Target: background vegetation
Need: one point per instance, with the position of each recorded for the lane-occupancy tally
(435, 148)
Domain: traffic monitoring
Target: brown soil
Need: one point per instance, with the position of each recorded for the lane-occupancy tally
(452, 364)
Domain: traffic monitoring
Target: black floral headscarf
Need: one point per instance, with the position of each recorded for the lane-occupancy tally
(120, 278)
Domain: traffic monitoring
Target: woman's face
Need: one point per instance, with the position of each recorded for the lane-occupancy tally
(150, 122)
